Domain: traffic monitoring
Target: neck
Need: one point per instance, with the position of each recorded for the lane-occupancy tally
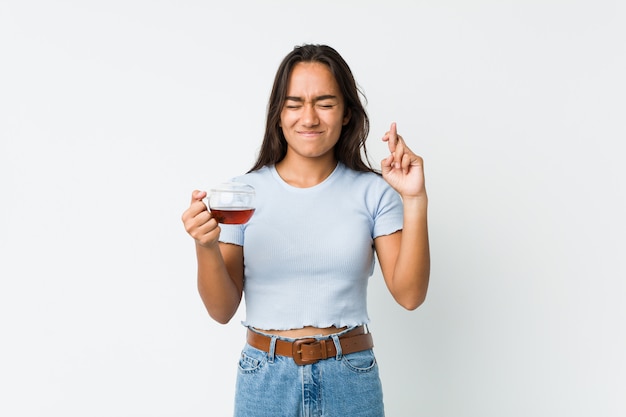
(305, 173)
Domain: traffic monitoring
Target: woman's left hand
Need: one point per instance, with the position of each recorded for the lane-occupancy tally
(403, 169)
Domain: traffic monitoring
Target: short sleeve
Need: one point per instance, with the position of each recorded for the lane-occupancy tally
(389, 215)
(232, 233)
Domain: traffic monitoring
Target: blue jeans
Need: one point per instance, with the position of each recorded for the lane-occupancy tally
(270, 385)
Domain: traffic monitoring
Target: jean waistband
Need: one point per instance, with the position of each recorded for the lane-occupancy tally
(309, 350)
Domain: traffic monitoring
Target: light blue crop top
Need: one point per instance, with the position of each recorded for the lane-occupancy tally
(308, 252)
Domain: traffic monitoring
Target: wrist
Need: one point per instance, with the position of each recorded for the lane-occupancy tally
(415, 200)
(207, 246)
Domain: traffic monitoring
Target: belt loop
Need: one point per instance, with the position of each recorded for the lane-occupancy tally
(272, 350)
(337, 346)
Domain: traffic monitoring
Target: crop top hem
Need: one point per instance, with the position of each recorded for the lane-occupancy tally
(261, 326)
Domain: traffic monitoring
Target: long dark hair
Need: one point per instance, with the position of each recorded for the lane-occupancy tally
(350, 148)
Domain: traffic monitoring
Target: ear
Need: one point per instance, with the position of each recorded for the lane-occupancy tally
(347, 117)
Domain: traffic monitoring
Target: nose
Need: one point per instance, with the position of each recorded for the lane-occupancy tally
(309, 115)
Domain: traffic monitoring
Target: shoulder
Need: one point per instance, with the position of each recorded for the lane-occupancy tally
(344, 171)
(368, 180)
(255, 177)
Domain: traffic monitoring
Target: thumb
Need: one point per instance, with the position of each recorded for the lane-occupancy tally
(385, 164)
(197, 195)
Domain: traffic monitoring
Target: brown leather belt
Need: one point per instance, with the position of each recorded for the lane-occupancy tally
(308, 350)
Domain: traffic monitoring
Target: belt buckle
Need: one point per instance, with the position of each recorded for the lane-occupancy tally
(296, 351)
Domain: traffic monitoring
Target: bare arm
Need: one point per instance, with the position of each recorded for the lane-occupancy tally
(220, 265)
(404, 256)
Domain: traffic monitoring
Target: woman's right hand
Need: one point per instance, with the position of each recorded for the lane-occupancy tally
(220, 267)
(199, 221)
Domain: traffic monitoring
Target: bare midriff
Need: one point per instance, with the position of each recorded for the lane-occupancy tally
(304, 332)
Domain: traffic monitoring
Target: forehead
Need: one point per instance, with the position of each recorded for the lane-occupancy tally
(309, 78)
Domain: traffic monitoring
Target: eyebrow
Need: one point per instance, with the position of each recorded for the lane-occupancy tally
(320, 98)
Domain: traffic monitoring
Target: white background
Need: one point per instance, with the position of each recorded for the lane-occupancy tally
(112, 112)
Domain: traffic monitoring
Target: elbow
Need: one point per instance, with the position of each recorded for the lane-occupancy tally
(412, 306)
(417, 295)
(412, 303)
(221, 318)
(221, 321)
(220, 314)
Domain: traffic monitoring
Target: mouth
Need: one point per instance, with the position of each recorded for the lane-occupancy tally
(309, 133)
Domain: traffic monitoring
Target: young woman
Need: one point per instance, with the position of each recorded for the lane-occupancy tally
(304, 259)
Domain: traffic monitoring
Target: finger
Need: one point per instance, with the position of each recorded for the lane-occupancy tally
(203, 216)
(195, 208)
(393, 129)
(399, 152)
(207, 226)
(200, 224)
(387, 134)
(190, 218)
(406, 163)
(393, 137)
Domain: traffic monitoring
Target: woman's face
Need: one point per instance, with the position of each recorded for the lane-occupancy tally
(314, 111)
